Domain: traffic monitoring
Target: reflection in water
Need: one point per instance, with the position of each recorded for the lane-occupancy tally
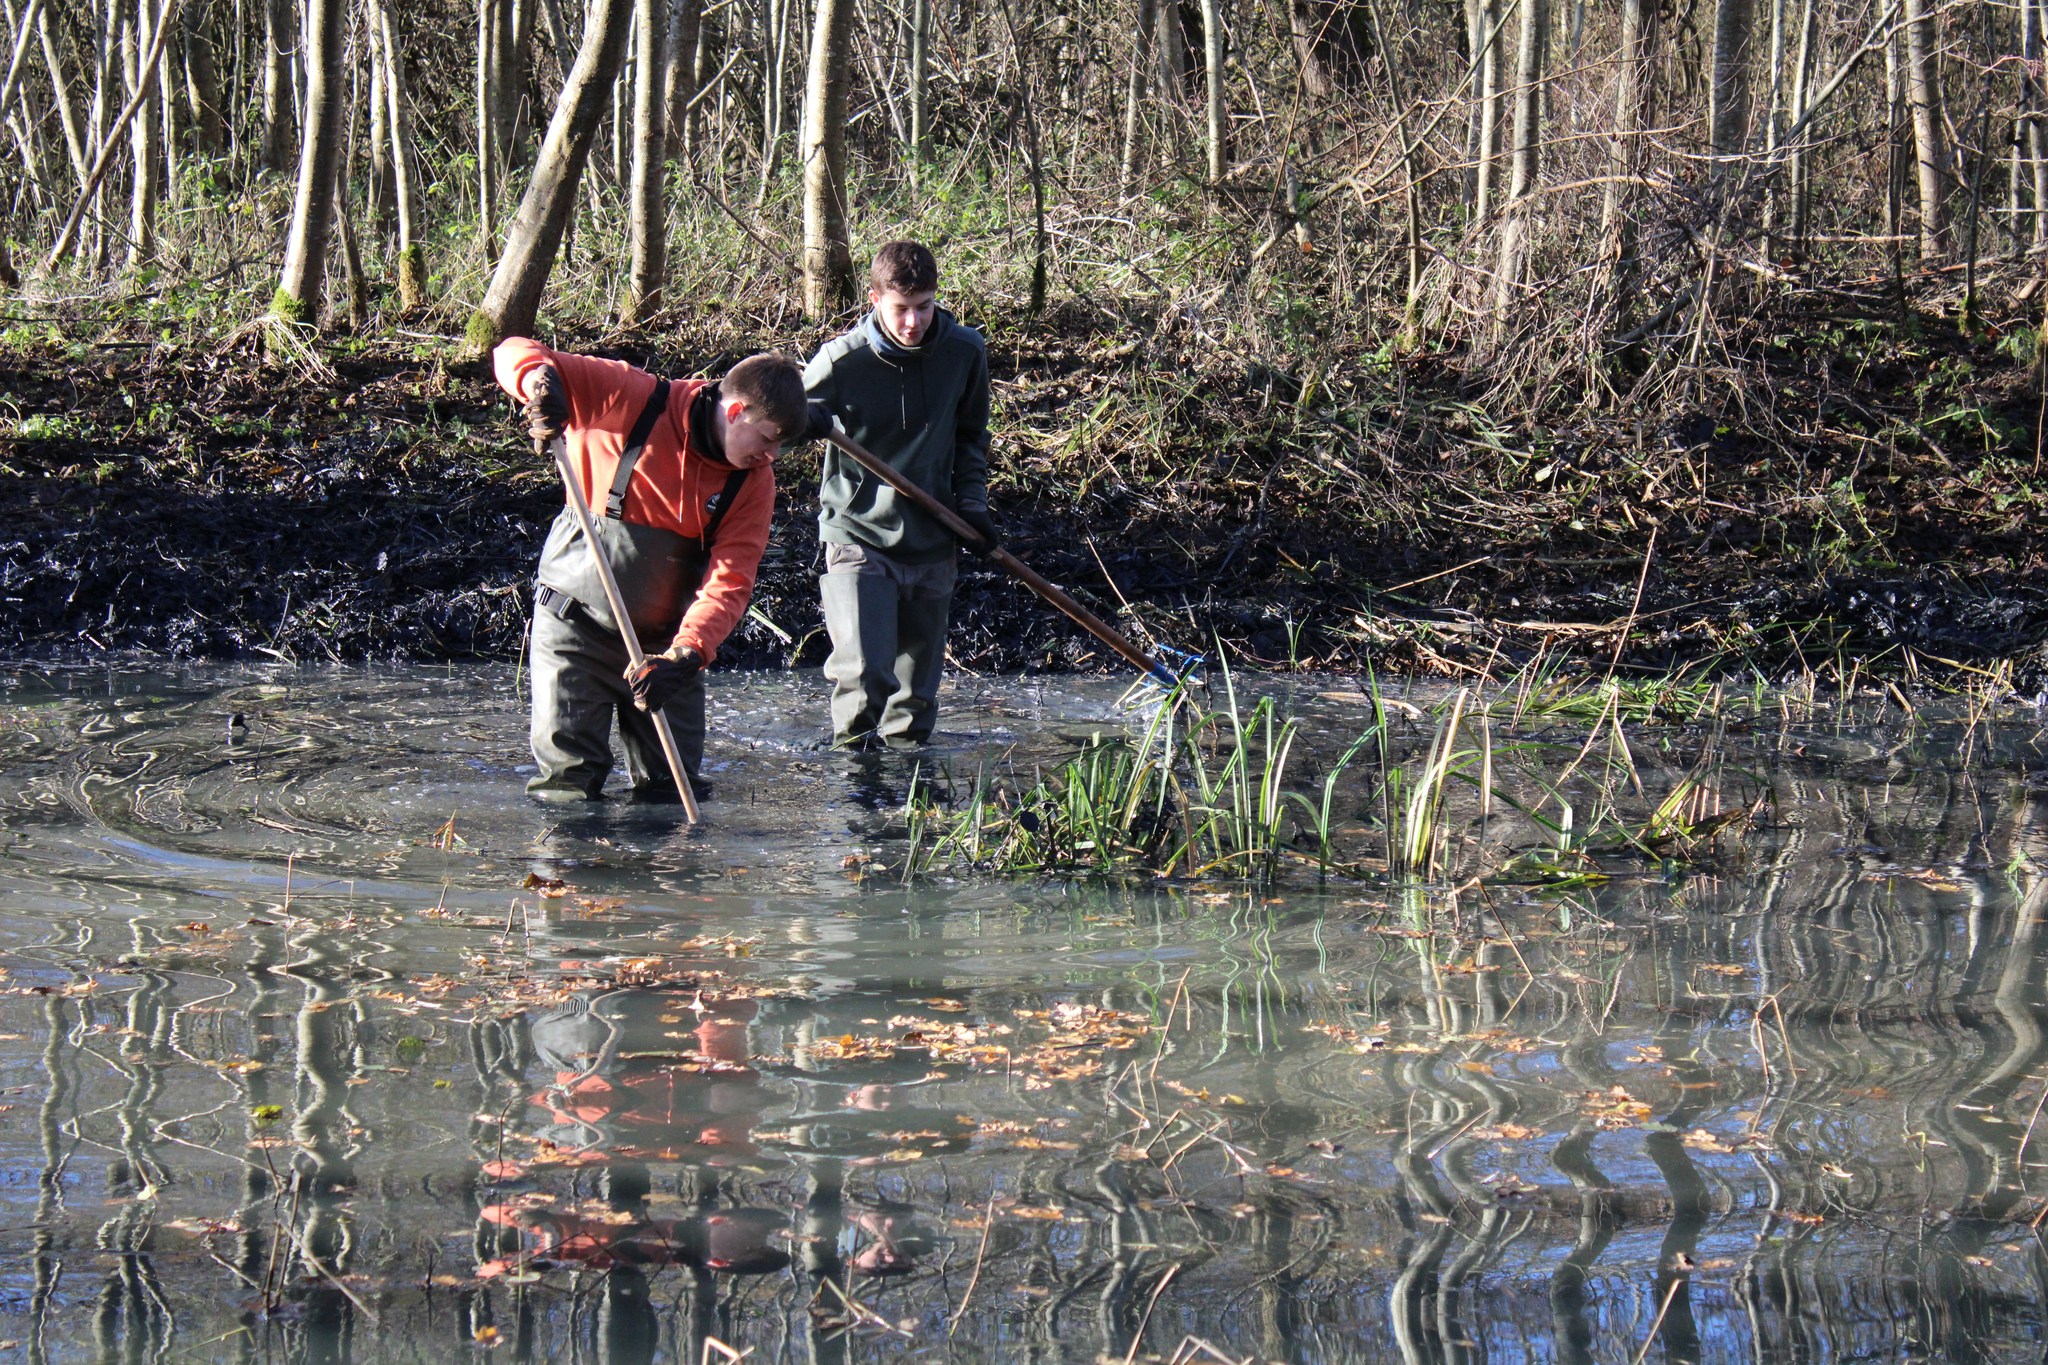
(728, 1089)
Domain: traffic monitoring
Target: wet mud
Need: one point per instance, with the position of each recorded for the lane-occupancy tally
(179, 501)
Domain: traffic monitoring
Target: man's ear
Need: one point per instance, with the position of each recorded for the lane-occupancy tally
(735, 408)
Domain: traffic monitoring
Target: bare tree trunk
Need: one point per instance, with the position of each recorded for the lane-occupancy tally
(1624, 160)
(169, 110)
(1930, 143)
(75, 142)
(202, 84)
(920, 40)
(488, 32)
(1411, 309)
(2035, 105)
(685, 26)
(1134, 96)
(300, 290)
(513, 300)
(23, 27)
(412, 263)
(1522, 156)
(513, 23)
(1728, 93)
(1775, 124)
(828, 262)
(1796, 187)
(1172, 52)
(775, 24)
(1896, 123)
(351, 257)
(1218, 130)
(145, 134)
(277, 83)
(109, 144)
(646, 223)
(1488, 81)
(377, 191)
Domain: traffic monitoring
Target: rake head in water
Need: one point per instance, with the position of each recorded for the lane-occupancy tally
(1173, 670)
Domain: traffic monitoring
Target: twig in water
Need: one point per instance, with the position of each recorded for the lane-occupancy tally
(1138, 1336)
(2019, 1157)
(1191, 1346)
(1676, 1284)
(988, 1220)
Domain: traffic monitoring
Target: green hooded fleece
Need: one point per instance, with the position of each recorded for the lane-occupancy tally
(923, 411)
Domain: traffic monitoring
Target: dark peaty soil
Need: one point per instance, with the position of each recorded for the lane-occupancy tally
(187, 502)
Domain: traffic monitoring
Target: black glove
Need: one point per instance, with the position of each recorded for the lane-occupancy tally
(819, 424)
(660, 678)
(978, 519)
(547, 406)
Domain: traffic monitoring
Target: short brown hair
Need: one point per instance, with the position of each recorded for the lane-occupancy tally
(906, 267)
(772, 385)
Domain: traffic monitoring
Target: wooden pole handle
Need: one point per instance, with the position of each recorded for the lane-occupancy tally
(635, 656)
(1017, 568)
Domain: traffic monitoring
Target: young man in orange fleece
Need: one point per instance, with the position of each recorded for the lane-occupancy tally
(679, 477)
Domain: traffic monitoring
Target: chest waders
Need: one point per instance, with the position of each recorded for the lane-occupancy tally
(579, 655)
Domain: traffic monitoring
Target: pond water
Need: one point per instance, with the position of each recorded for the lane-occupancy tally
(318, 1042)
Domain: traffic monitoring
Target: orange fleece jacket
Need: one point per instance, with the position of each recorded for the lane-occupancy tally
(671, 483)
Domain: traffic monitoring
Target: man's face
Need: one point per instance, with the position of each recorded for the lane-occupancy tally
(750, 439)
(906, 317)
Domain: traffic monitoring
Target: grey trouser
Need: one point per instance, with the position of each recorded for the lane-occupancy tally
(578, 685)
(887, 620)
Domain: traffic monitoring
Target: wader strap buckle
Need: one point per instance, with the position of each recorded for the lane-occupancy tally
(636, 441)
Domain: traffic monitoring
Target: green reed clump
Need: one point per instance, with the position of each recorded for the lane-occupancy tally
(1204, 793)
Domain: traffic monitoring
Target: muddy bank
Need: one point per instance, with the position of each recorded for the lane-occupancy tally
(179, 499)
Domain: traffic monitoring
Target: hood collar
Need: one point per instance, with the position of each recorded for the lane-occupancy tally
(889, 348)
(703, 430)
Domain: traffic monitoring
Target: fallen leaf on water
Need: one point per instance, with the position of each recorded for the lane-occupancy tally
(1041, 1212)
(488, 1336)
(1507, 1132)
(549, 887)
(502, 1170)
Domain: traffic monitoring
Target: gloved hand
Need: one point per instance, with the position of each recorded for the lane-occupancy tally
(819, 425)
(978, 518)
(547, 405)
(660, 678)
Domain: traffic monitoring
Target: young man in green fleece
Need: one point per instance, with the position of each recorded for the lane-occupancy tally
(911, 385)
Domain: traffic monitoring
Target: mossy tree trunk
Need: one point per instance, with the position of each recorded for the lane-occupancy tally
(299, 291)
(412, 261)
